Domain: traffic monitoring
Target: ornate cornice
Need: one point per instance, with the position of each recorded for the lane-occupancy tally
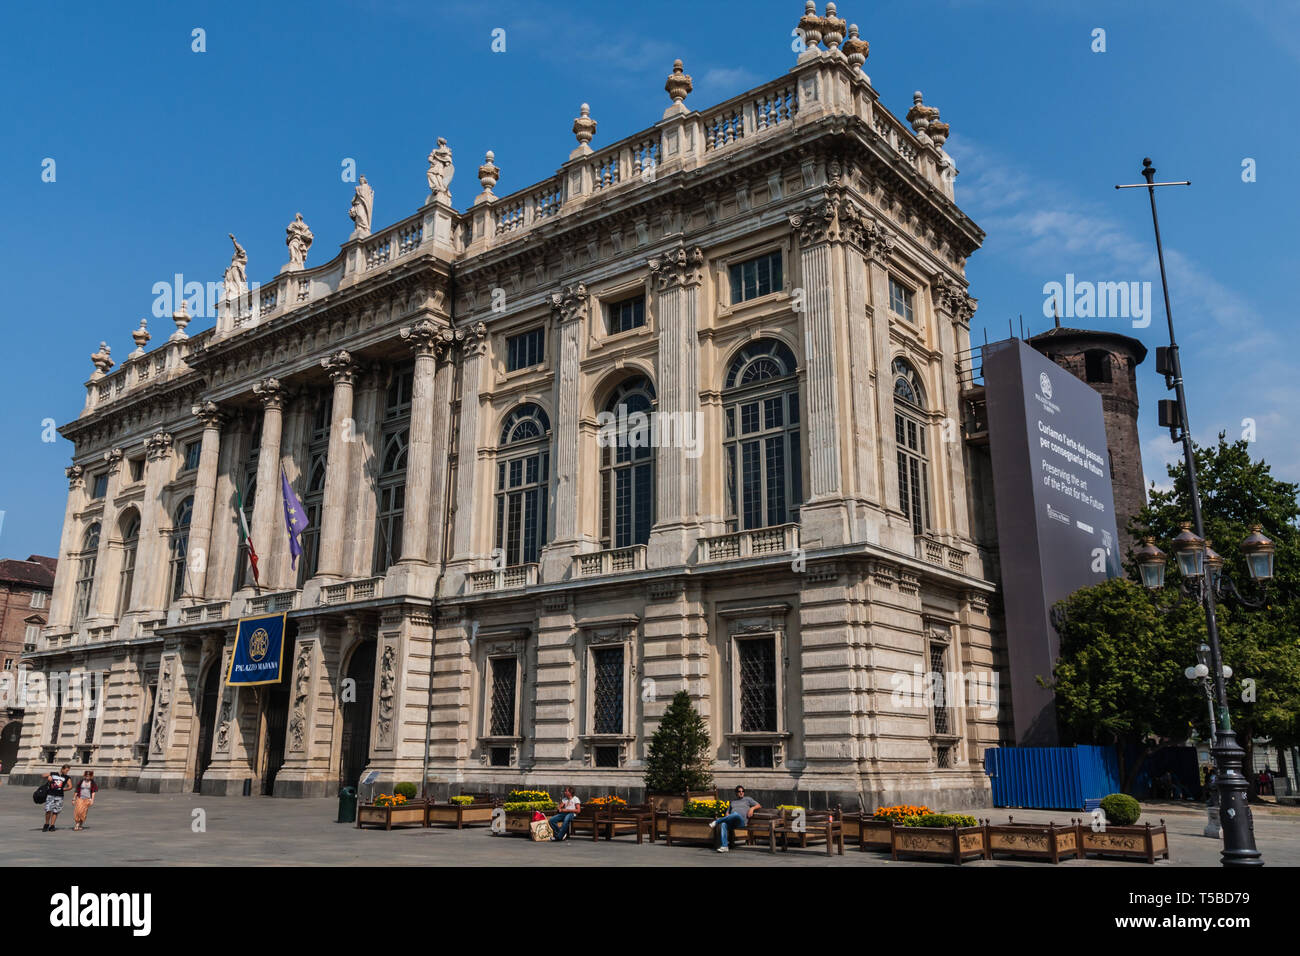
(340, 366)
(209, 413)
(570, 303)
(270, 392)
(678, 268)
(427, 338)
(158, 445)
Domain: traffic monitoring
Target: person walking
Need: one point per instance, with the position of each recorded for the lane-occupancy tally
(742, 808)
(58, 784)
(84, 798)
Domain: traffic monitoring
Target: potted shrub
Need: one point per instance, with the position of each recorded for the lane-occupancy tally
(953, 837)
(677, 761)
(875, 832)
(390, 810)
(519, 807)
(461, 811)
(1119, 834)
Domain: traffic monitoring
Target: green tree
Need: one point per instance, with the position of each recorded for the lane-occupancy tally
(1119, 678)
(678, 759)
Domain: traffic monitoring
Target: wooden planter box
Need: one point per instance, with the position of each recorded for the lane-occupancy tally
(950, 844)
(458, 815)
(407, 815)
(520, 822)
(1039, 841)
(873, 834)
(680, 829)
(1134, 842)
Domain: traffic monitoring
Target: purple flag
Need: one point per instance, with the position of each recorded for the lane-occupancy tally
(295, 519)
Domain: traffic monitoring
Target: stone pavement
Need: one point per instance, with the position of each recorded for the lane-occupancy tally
(133, 829)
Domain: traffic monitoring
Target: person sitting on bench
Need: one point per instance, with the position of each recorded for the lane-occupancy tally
(742, 808)
(570, 807)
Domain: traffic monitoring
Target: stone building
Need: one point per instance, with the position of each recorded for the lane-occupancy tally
(677, 417)
(25, 588)
(1108, 362)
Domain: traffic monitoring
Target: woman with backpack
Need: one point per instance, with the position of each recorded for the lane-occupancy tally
(54, 787)
(84, 798)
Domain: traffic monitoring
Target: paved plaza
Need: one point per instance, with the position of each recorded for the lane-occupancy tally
(133, 829)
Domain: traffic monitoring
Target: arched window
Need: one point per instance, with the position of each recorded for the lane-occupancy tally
(627, 466)
(910, 442)
(523, 477)
(392, 475)
(86, 573)
(764, 462)
(180, 546)
(312, 501)
(130, 525)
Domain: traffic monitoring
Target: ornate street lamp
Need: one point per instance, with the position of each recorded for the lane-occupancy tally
(1151, 564)
(1239, 830)
(1259, 554)
(1201, 673)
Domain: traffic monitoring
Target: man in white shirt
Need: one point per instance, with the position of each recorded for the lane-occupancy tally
(570, 807)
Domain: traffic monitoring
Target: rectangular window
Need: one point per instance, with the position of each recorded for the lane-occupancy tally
(900, 300)
(9, 663)
(525, 349)
(30, 634)
(137, 469)
(193, 450)
(607, 701)
(913, 473)
(502, 705)
(941, 717)
(38, 599)
(626, 315)
(100, 488)
(757, 659)
(756, 277)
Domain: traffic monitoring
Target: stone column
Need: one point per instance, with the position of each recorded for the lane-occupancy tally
(151, 576)
(66, 575)
(362, 467)
(104, 592)
(570, 307)
(464, 551)
(266, 504)
(953, 309)
(341, 369)
(677, 277)
(414, 571)
(823, 517)
(205, 496)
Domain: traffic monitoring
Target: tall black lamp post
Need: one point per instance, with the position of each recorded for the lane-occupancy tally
(1190, 548)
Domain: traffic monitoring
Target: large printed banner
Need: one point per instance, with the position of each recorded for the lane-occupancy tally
(259, 651)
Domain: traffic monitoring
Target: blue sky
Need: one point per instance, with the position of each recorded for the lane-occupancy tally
(161, 151)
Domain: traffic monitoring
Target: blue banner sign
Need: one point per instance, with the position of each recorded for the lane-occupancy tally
(259, 651)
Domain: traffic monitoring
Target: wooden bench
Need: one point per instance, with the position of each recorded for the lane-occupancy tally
(819, 826)
(629, 819)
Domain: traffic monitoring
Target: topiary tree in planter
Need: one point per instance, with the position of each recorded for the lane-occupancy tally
(1121, 810)
(678, 758)
(406, 789)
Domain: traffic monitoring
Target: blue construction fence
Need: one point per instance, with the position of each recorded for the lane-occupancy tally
(1051, 778)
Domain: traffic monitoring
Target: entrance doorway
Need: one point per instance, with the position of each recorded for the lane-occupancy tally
(9, 745)
(355, 740)
(207, 721)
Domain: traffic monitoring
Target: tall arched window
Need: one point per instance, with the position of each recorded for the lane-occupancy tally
(130, 525)
(764, 463)
(910, 441)
(312, 502)
(627, 466)
(180, 545)
(392, 467)
(86, 573)
(523, 476)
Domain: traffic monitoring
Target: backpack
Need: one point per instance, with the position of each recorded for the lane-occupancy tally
(41, 793)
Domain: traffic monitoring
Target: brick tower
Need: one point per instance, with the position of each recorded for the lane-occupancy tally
(1108, 362)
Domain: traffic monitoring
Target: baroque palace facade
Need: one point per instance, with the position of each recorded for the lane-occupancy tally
(499, 582)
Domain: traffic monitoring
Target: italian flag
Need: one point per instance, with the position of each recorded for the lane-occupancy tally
(244, 537)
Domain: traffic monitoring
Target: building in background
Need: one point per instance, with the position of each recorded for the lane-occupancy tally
(25, 589)
(676, 418)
